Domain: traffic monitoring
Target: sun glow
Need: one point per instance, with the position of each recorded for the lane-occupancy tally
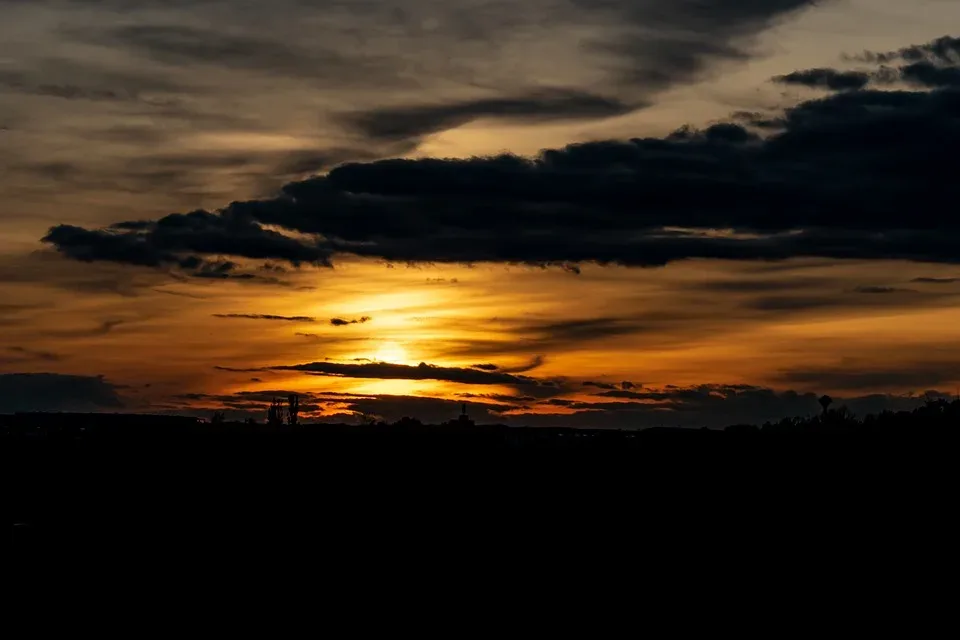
(392, 352)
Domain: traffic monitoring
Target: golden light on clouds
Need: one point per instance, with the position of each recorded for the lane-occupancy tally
(507, 281)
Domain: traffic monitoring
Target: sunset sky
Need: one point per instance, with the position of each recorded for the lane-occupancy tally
(608, 213)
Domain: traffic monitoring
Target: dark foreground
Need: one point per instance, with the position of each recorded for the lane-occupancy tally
(466, 530)
(94, 484)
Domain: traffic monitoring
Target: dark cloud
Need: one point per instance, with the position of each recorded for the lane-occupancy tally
(534, 363)
(177, 168)
(178, 240)
(390, 371)
(882, 290)
(936, 280)
(101, 329)
(263, 316)
(16, 307)
(340, 322)
(547, 336)
(840, 178)
(863, 376)
(663, 43)
(423, 371)
(179, 44)
(150, 76)
(182, 294)
(708, 405)
(600, 385)
(189, 46)
(643, 46)
(933, 64)
(720, 405)
(827, 79)
(12, 314)
(499, 397)
(66, 91)
(403, 122)
(862, 297)
(791, 303)
(616, 389)
(930, 75)
(944, 50)
(56, 392)
(575, 331)
(754, 285)
(310, 162)
(757, 119)
(222, 271)
(69, 79)
(35, 354)
(184, 177)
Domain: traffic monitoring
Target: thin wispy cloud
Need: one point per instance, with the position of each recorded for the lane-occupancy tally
(264, 316)
(340, 322)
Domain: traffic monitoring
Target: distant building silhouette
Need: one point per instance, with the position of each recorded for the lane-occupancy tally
(464, 420)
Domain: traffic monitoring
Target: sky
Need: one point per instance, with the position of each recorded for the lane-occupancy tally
(610, 213)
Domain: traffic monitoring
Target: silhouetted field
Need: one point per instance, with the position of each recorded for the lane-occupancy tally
(135, 482)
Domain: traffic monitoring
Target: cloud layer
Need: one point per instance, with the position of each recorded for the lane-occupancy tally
(858, 173)
(56, 392)
(391, 371)
(349, 79)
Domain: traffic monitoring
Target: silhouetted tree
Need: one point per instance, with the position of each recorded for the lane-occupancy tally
(275, 414)
(825, 402)
(367, 419)
(218, 418)
(293, 410)
(408, 422)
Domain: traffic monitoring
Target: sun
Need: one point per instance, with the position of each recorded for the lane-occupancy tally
(392, 352)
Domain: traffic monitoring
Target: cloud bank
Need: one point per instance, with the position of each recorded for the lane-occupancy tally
(56, 392)
(859, 173)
